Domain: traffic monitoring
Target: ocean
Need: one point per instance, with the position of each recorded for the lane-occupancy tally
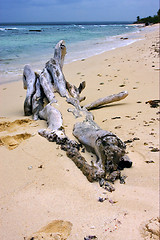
(34, 43)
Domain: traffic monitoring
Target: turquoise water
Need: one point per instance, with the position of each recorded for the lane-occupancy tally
(34, 43)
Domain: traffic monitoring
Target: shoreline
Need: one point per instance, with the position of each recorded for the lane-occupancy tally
(39, 184)
(16, 68)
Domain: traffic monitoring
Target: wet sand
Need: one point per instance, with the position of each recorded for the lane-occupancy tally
(39, 184)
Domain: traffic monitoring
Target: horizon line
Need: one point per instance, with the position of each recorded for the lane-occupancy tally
(66, 22)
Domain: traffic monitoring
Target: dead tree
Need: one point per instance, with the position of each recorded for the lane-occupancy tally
(108, 148)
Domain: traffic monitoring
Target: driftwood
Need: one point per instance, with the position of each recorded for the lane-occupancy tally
(47, 85)
(52, 116)
(37, 99)
(108, 148)
(29, 80)
(54, 68)
(75, 92)
(106, 100)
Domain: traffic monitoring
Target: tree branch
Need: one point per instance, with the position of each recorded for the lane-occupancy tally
(106, 100)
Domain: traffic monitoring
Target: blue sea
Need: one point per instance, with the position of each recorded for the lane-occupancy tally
(34, 43)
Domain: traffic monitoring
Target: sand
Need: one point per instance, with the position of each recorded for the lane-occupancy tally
(40, 185)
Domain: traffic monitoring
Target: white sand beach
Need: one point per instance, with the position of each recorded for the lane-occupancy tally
(40, 184)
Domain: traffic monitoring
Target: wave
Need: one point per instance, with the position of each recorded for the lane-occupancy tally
(2, 29)
(82, 40)
(11, 28)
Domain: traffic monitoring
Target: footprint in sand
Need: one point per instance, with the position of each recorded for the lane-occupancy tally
(56, 230)
(13, 126)
(13, 141)
(150, 229)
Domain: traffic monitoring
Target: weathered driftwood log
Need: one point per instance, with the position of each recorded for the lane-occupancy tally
(93, 172)
(75, 92)
(72, 150)
(47, 85)
(54, 68)
(108, 148)
(109, 99)
(29, 79)
(60, 52)
(42, 86)
(52, 116)
(37, 99)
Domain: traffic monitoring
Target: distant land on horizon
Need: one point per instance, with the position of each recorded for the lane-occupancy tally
(149, 20)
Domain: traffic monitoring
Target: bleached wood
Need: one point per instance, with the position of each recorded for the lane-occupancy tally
(47, 85)
(60, 52)
(29, 79)
(108, 148)
(106, 100)
(74, 91)
(37, 100)
(72, 151)
(54, 68)
(52, 116)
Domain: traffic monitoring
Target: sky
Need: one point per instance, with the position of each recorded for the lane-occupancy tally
(75, 10)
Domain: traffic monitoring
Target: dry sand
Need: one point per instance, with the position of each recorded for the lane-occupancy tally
(39, 184)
